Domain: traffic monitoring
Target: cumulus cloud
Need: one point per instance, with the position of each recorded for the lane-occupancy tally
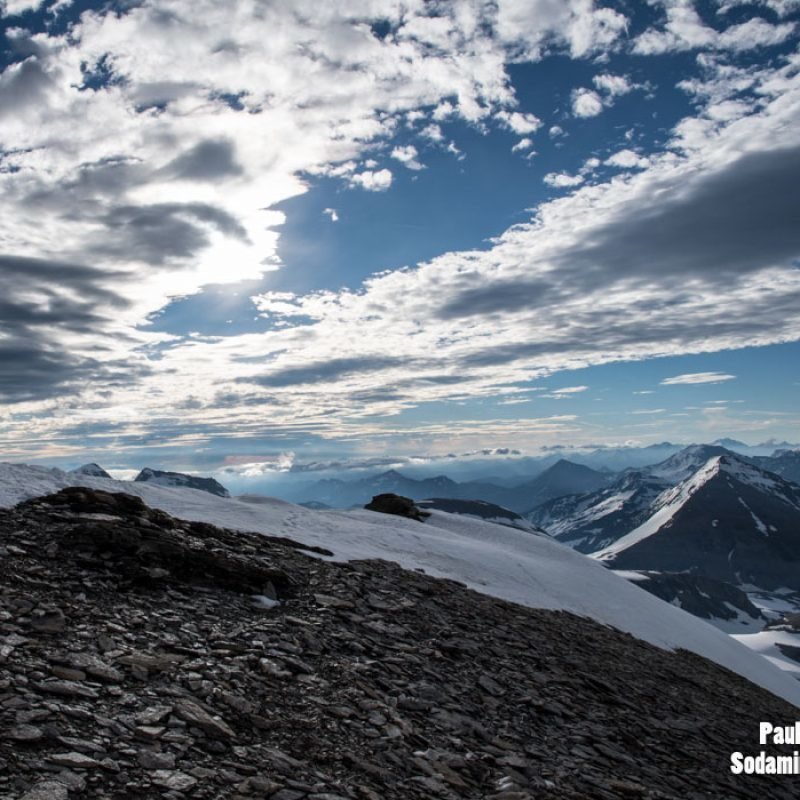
(432, 132)
(691, 378)
(562, 180)
(408, 156)
(522, 144)
(781, 7)
(16, 7)
(683, 29)
(531, 25)
(613, 85)
(519, 123)
(372, 180)
(586, 103)
(590, 103)
(627, 159)
(331, 213)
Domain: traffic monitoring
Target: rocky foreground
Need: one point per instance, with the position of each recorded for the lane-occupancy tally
(146, 657)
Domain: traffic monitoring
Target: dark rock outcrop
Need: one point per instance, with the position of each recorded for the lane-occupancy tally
(390, 503)
(363, 681)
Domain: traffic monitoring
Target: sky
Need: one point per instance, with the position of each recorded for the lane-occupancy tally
(261, 233)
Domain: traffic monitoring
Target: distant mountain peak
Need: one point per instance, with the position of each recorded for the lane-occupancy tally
(92, 469)
(686, 462)
(729, 443)
(179, 479)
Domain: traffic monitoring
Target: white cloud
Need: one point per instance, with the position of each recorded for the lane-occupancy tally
(519, 123)
(522, 144)
(627, 159)
(532, 25)
(781, 7)
(754, 33)
(555, 130)
(453, 149)
(432, 132)
(15, 7)
(567, 391)
(332, 213)
(372, 181)
(443, 111)
(562, 180)
(684, 29)
(586, 103)
(691, 378)
(590, 165)
(407, 155)
(613, 85)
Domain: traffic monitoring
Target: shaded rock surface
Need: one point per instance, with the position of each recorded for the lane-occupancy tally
(157, 676)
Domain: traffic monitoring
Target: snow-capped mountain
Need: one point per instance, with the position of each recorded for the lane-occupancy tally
(685, 463)
(492, 559)
(163, 478)
(589, 522)
(94, 470)
(785, 463)
(730, 520)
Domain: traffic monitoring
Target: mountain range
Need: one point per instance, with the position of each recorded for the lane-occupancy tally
(591, 521)
(562, 477)
(714, 532)
(729, 520)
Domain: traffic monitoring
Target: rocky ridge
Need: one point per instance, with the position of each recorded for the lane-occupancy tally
(146, 657)
(164, 478)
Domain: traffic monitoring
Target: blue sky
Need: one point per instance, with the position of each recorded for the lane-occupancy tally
(395, 228)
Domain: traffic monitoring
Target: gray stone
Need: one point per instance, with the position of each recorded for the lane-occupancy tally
(47, 790)
(25, 733)
(170, 779)
(73, 760)
(193, 714)
(150, 759)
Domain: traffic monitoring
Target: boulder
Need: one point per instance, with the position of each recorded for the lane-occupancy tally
(390, 503)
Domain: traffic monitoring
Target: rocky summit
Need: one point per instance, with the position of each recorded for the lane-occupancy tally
(146, 657)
